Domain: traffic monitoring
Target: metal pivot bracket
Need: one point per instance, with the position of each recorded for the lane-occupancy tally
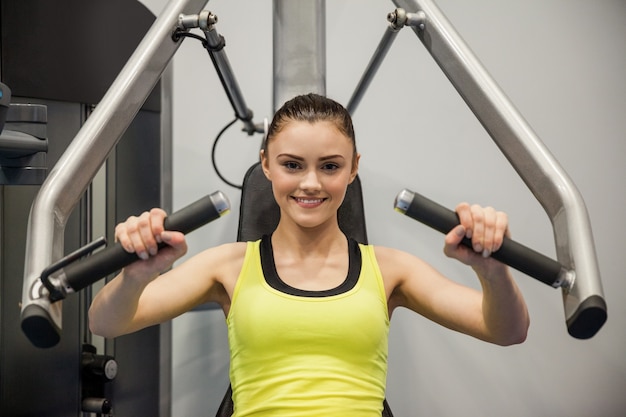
(399, 18)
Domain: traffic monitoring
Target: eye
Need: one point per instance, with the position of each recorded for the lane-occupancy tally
(291, 165)
(330, 166)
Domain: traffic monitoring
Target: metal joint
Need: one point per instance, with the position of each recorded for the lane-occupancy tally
(565, 280)
(55, 286)
(204, 20)
(399, 18)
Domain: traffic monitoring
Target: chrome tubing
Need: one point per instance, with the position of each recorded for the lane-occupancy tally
(299, 49)
(75, 169)
(533, 162)
(397, 20)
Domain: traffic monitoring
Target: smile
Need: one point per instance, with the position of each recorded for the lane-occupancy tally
(308, 201)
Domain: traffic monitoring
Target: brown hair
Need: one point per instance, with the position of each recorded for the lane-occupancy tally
(311, 108)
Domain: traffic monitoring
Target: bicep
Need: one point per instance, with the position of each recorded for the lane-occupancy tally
(196, 281)
(419, 287)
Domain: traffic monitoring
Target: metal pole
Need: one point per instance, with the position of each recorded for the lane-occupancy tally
(397, 20)
(78, 165)
(529, 156)
(299, 29)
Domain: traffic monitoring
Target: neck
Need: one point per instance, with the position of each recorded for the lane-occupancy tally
(308, 242)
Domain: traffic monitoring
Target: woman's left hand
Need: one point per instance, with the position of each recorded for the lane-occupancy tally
(484, 226)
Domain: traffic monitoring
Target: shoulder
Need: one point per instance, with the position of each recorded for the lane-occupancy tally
(224, 255)
(396, 261)
(407, 278)
(215, 263)
(232, 249)
(214, 271)
(396, 265)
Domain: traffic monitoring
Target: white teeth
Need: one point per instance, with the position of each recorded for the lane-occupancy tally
(309, 201)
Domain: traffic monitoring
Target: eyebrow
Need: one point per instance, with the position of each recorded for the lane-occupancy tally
(299, 158)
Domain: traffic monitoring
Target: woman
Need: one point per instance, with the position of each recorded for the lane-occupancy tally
(308, 309)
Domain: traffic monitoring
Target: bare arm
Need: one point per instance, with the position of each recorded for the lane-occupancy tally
(141, 296)
(498, 314)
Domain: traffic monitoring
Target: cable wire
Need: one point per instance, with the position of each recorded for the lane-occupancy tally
(217, 171)
(182, 34)
(176, 36)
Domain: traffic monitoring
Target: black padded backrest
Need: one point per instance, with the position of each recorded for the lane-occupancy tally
(259, 213)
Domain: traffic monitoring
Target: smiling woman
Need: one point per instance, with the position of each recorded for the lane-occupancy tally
(313, 157)
(308, 308)
(310, 165)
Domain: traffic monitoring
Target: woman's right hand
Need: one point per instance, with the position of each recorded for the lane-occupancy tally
(142, 235)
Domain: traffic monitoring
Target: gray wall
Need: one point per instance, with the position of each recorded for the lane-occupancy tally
(561, 62)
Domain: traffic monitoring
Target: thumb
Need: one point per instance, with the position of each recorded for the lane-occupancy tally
(453, 247)
(455, 236)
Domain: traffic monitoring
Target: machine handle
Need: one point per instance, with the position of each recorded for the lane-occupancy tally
(79, 275)
(510, 253)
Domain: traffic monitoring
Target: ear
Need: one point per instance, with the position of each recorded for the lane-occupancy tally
(355, 167)
(265, 164)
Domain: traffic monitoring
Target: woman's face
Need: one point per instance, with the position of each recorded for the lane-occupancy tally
(310, 166)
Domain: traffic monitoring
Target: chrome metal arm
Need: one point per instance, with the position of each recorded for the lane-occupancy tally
(79, 163)
(583, 299)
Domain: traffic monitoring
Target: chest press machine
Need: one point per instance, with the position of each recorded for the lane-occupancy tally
(46, 278)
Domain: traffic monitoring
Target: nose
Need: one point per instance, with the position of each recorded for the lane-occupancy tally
(310, 181)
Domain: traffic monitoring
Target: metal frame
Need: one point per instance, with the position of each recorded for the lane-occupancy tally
(76, 168)
(293, 40)
(534, 163)
(299, 50)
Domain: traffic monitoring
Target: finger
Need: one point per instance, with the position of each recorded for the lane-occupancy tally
(146, 234)
(455, 236)
(121, 235)
(175, 240)
(464, 213)
(489, 230)
(157, 217)
(501, 229)
(133, 231)
(452, 240)
(478, 228)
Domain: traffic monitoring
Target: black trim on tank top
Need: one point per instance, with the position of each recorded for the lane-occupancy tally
(274, 281)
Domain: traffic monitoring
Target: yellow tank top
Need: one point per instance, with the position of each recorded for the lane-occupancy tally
(308, 353)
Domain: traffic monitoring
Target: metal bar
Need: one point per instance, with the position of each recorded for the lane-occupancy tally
(379, 55)
(215, 47)
(165, 334)
(78, 165)
(528, 155)
(397, 20)
(299, 49)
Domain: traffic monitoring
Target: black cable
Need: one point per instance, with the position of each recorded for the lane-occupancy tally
(182, 34)
(176, 37)
(217, 171)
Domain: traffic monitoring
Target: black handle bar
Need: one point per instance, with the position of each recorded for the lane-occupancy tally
(511, 253)
(80, 274)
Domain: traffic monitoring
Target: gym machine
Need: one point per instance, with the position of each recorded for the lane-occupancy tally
(575, 272)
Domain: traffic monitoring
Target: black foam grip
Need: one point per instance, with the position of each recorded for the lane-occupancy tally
(511, 253)
(80, 274)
